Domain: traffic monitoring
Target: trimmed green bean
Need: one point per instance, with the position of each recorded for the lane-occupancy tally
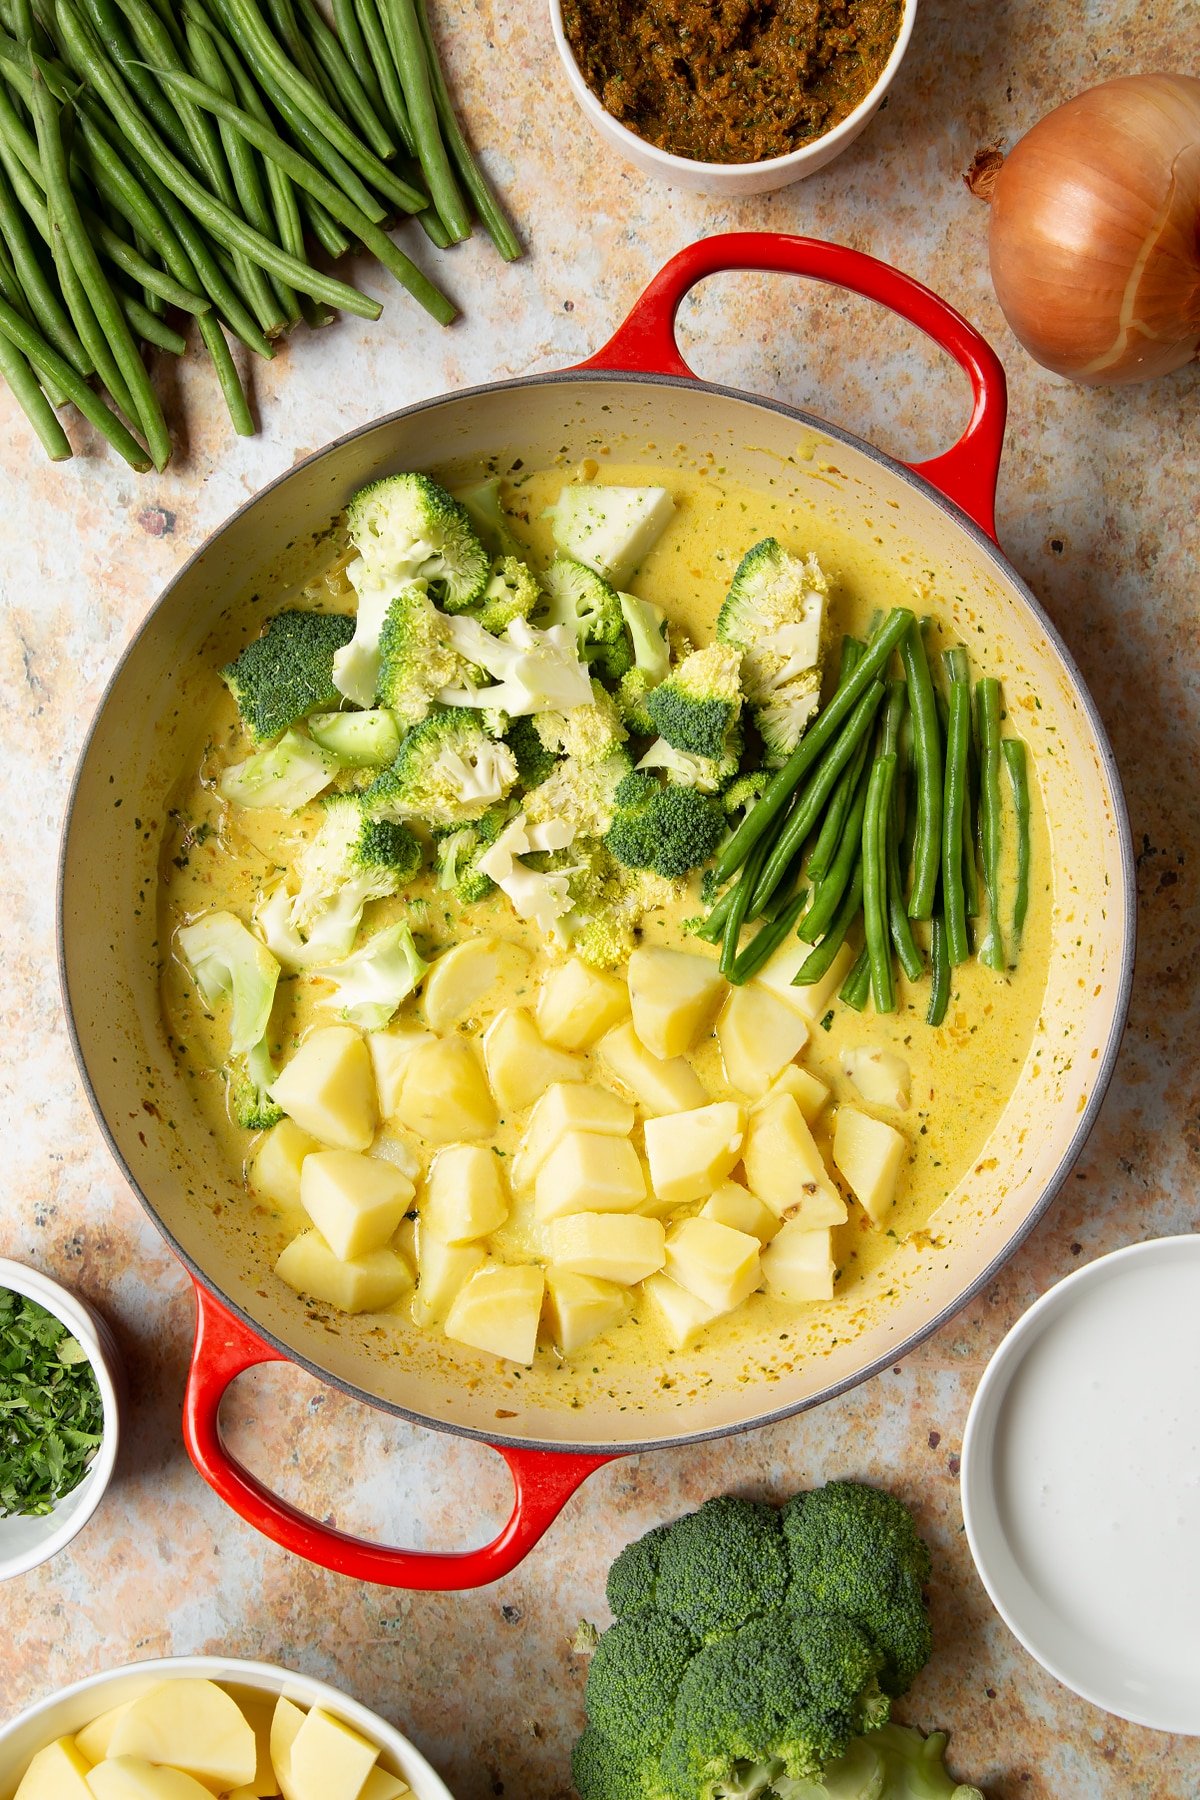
(48, 362)
(15, 370)
(824, 728)
(958, 734)
(939, 957)
(146, 325)
(83, 317)
(46, 304)
(899, 924)
(765, 942)
(843, 794)
(130, 261)
(828, 893)
(493, 217)
(856, 988)
(927, 758)
(1016, 761)
(380, 51)
(714, 924)
(818, 962)
(742, 894)
(970, 816)
(874, 864)
(987, 699)
(340, 70)
(412, 66)
(354, 44)
(783, 893)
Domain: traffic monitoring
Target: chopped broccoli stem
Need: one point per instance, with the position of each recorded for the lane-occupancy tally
(370, 985)
(287, 673)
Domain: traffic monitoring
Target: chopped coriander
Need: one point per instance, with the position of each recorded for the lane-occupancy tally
(827, 1021)
(51, 1412)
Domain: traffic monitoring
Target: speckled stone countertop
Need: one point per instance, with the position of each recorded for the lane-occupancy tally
(1097, 509)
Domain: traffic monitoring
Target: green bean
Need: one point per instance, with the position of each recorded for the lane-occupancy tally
(825, 726)
(371, 20)
(958, 733)
(818, 962)
(939, 957)
(783, 893)
(970, 815)
(927, 757)
(16, 371)
(46, 304)
(280, 17)
(714, 924)
(828, 893)
(843, 794)
(130, 261)
(987, 698)
(47, 361)
(1017, 764)
(813, 797)
(354, 44)
(765, 942)
(144, 324)
(228, 377)
(412, 66)
(739, 905)
(340, 69)
(495, 220)
(104, 18)
(899, 923)
(856, 988)
(312, 180)
(874, 863)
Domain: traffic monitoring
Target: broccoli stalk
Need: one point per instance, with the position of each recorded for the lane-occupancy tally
(287, 673)
(486, 512)
(458, 852)
(533, 670)
(283, 778)
(370, 985)
(231, 967)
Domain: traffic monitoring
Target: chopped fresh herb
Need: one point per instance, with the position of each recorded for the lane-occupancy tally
(51, 1412)
(827, 1021)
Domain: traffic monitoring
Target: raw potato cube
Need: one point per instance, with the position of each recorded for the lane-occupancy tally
(683, 1316)
(715, 1262)
(586, 1172)
(579, 1308)
(445, 1098)
(690, 1152)
(577, 1005)
(94, 1739)
(881, 1077)
(807, 1090)
(328, 1088)
(732, 1204)
(56, 1773)
(785, 1169)
(520, 1066)
(798, 1265)
(674, 996)
(285, 1726)
(193, 1725)
(611, 1246)
(465, 1198)
(355, 1202)
(135, 1778)
(258, 1710)
(382, 1785)
(442, 1270)
(869, 1154)
(329, 1760)
(759, 1036)
(275, 1171)
(658, 1086)
(498, 1311)
(390, 1051)
(461, 982)
(368, 1284)
(562, 1108)
(810, 1002)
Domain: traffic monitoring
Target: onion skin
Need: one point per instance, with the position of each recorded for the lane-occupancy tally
(1095, 232)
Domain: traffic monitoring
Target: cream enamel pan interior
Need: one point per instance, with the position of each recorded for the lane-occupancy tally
(141, 742)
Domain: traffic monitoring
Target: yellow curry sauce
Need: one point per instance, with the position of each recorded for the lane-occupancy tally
(963, 1072)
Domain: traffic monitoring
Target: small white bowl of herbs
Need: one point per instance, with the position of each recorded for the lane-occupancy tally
(60, 1382)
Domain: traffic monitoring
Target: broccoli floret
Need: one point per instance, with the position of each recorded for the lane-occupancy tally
(407, 528)
(722, 1566)
(416, 657)
(486, 512)
(610, 661)
(534, 761)
(632, 693)
(513, 592)
(670, 829)
(634, 1678)
(711, 775)
(533, 671)
(287, 672)
(353, 859)
(247, 1080)
(696, 709)
(577, 596)
(448, 771)
(604, 1770)
(582, 796)
(633, 1577)
(775, 614)
(907, 1767)
(588, 733)
(370, 985)
(458, 853)
(741, 794)
(228, 964)
(854, 1551)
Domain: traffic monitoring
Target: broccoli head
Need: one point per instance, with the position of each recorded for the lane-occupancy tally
(633, 1577)
(588, 733)
(577, 596)
(416, 657)
(696, 708)
(369, 986)
(634, 1680)
(775, 614)
(247, 1081)
(287, 673)
(633, 690)
(670, 829)
(408, 528)
(722, 1566)
(449, 770)
(581, 795)
(353, 859)
(606, 1770)
(611, 662)
(534, 761)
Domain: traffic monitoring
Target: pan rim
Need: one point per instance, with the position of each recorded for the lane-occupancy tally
(1127, 889)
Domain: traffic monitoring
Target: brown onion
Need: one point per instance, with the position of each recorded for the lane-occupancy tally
(1095, 232)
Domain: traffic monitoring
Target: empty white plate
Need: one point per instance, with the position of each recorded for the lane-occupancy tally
(1081, 1482)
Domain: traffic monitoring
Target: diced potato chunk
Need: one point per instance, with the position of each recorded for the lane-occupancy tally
(381, 1784)
(285, 1727)
(193, 1725)
(759, 1035)
(329, 1760)
(258, 1710)
(807, 1090)
(620, 1247)
(93, 1740)
(881, 1077)
(393, 1147)
(690, 1152)
(580, 1309)
(275, 1171)
(368, 1284)
(328, 1088)
(587, 1172)
(577, 1005)
(785, 1168)
(445, 1098)
(562, 1108)
(464, 980)
(810, 1002)
(732, 1204)
(520, 1066)
(869, 1153)
(465, 1198)
(715, 1262)
(674, 995)
(442, 1269)
(799, 1265)
(683, 1316)
(390, 1051)
(356, 1202)
(498, 1311)
(658, 1085)
(135, 1778)
(56, 1773)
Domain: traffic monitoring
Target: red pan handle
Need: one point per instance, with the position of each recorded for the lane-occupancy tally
(544, 1480)
(966, 473)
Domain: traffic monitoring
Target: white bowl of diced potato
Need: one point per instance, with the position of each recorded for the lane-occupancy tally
(191, 1727)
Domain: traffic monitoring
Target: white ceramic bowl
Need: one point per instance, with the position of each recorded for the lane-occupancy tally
(74, 1707)
(26, 1542)
(730, 180)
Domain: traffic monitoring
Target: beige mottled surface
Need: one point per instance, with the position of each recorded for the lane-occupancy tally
(1097, 509)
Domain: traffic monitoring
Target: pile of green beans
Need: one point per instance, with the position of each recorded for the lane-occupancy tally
(888, 809)
(161, 159)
